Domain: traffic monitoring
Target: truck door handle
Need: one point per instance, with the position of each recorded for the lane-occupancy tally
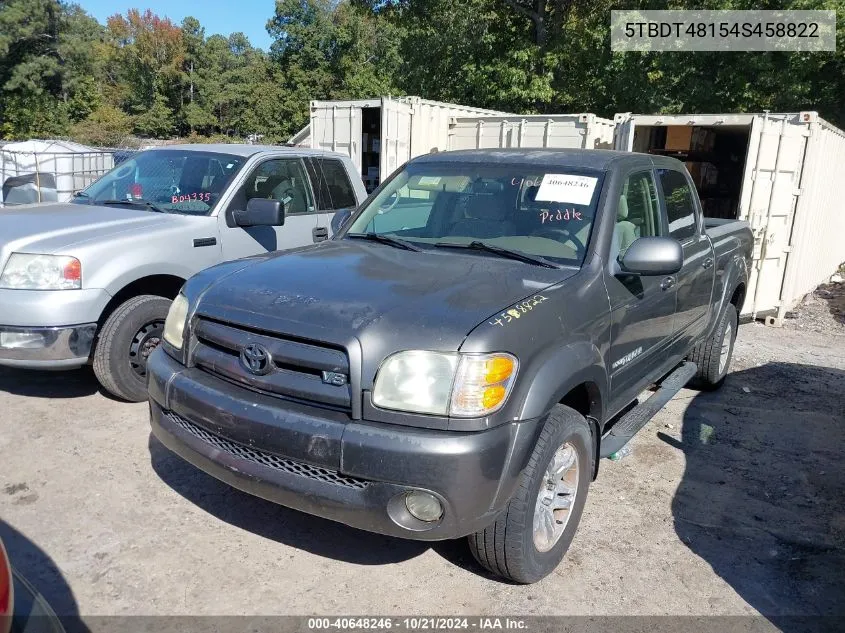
(667, 283)
(707, 263)
(320, 233)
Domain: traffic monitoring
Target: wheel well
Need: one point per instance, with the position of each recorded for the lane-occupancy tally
(738, 297)
(167, 286)
(586, 400)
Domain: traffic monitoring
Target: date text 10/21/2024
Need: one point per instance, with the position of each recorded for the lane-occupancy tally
(418, 623)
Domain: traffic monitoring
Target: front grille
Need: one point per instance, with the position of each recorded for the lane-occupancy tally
(296, 369)
(267, 459)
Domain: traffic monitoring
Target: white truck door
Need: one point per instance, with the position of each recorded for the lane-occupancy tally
(395, 136)
(282, 179)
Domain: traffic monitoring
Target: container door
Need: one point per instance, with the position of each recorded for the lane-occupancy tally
(395, 136)
(337, 128)
(768, 202)
(624, 133)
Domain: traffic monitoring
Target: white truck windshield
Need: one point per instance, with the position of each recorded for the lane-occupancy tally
(177, 181)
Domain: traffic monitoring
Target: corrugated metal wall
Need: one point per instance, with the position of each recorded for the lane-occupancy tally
(557, 131)
(817, 240)
(430, 129)
(772, 183)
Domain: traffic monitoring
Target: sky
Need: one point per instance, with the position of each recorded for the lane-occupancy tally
(217, 16)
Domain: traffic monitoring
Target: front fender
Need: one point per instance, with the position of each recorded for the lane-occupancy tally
(556, 372)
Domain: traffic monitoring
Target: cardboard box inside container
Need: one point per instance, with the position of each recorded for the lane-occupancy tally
(678, 137)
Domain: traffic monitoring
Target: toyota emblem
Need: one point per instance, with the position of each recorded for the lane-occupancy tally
(256, 359)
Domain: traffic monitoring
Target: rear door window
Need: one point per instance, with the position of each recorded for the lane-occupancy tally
(680, 207)
(331, 184)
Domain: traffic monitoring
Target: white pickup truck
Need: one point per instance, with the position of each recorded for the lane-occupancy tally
(92, 280)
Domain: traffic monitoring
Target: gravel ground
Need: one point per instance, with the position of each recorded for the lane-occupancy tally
(730, 503)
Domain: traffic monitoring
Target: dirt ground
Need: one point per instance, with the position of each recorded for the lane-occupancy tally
(730, 503)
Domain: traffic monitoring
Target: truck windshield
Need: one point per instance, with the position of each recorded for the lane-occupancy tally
(541, 212)
(175, 181)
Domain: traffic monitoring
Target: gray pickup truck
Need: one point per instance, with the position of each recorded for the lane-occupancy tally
(459, 356)
(92, 280)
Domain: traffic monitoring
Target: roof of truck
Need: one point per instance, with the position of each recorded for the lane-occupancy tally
(243, 149)
(600, 159)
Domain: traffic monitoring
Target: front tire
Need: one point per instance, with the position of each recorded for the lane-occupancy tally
(531, 536)
(713, 356)
(126, 339)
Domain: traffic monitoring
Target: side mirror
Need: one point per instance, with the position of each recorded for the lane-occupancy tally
(261, 212)
(339, 219)
(653, 256)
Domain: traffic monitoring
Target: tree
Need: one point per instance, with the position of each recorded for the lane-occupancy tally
(157, 120)
(107, 126)
(45, 67)
(328, 50)
(146, 56)
(61, 71)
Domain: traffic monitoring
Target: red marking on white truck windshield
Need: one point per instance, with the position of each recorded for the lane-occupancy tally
(187, 197)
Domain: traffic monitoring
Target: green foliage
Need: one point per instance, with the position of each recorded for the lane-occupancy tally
(107, 126)
(156, 120)
(61, 72)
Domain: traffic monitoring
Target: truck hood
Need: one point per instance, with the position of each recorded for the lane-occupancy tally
(386, 298)
(52, 228)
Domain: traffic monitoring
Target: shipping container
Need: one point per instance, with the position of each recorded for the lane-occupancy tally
(383, 133)
(783, 173)
(585, 131)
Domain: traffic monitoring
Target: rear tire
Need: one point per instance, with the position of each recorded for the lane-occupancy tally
(127, 337)
(509, 547)
(713, 356)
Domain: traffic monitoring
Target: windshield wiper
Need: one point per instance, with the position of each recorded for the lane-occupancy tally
(385, 239)
(135, 203)
(81, 194)
(503, 252)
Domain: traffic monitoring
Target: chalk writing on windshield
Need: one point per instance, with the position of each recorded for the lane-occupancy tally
(187, 197)
(559, 215)
(517, 310)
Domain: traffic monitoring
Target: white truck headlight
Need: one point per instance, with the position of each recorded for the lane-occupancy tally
(438, 383)
(25, 271)
(174, 324)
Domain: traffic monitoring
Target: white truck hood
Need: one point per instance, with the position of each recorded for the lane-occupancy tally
(52, 228)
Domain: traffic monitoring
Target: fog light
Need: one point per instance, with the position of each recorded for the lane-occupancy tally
(423, 506)
(21, 340)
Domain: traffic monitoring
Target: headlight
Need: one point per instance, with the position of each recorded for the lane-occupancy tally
(41, 272)
(437, 383)
(174, 324)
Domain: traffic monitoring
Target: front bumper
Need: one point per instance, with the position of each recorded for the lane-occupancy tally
(51, 308)
(325, 463)
(46, 347)
(52, 329)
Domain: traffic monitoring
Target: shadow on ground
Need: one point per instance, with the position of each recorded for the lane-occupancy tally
(762, 499)
(291, 527)
(45, 577)
(74, 383)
